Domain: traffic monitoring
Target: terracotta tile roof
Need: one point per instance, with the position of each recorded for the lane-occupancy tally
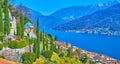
(4, 61)
(59, 43)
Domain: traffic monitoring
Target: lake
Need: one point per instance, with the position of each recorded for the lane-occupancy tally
(102, 44)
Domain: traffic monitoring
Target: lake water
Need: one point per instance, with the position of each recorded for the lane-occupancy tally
(102, 44)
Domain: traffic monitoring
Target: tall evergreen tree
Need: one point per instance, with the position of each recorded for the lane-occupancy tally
(36, 48)
(38, 38)
(18, 29)
(22, 25)
(51, 42)
(1, 18)
(46, 43)
(43, 38)
(7, 18)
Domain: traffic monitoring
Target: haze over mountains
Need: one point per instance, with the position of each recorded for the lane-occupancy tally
(67, 14)
(67, 18)
(75, 12)
(106, 18)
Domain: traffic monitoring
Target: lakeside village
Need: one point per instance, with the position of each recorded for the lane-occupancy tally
(23, 43)
(104, 31)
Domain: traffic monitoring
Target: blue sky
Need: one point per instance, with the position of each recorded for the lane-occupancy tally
(47, 7)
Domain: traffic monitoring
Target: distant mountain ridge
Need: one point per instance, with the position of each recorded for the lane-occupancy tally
(67, 14)
(106, 18)
(74, 12)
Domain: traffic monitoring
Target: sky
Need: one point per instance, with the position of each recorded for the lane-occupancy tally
(47, 7)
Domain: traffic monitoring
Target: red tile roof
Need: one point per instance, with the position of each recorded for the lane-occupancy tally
(4, 61)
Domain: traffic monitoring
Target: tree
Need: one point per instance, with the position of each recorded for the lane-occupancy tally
(36, 49)
(38, 38)
(69, 52)
(46, 43)
(7, 18)
(92, 62)
(84, 58)
(43, 38)
(1, 18)
(47, 54)
(78, 52)
(52, 43)
(22, 25)
(18, 29)
(28, 58)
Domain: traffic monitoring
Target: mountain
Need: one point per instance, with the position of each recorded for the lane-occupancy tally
(65, 15)
(74, 12)
(107, 18)
(46, 22)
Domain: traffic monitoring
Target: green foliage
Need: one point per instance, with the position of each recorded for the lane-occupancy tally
(22, 25)
(7, 18)
(28, 58)
(103, 63)
(92, 62)
(1, 46)
(5, 44)
(62, 54)
(69, 52)
(31, 41)
(41, 60)
(36, 48)
(12, 44)
(55, 58)
(27, 39)
(26, 20)
(17, 44)
(47, 54)
(2, 36)
(18, 29)
(57, 51)
(38, 38)
(84, 58)
(43, 38)
(78, 51)
(46, 43)
(1, 56)
(1, 18)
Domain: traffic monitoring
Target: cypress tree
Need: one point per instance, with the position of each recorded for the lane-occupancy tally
(43, 40)
(1, 18)
(46, 43)
(22, 25)
(7, 18)
(53, 43)
(18, 29)
(36, 49)
(38, 38)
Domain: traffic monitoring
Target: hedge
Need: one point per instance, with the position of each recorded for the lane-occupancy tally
(18, 44)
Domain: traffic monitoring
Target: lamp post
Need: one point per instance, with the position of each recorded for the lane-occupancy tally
(28, 34)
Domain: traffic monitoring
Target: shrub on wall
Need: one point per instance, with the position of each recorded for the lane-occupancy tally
(1, 56)
(17, 44)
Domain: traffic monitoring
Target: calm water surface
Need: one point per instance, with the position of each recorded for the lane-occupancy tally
(102, 44)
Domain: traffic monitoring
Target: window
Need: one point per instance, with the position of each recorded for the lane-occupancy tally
(10, 24)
